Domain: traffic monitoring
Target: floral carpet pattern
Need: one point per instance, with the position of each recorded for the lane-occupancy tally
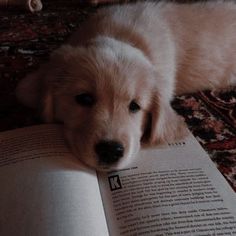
(26, 41)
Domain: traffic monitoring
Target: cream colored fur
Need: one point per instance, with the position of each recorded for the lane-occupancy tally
(147, 52)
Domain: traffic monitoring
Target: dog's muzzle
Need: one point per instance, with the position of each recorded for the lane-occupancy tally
(109, 151)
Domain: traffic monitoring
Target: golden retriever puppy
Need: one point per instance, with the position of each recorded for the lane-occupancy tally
(112, 83)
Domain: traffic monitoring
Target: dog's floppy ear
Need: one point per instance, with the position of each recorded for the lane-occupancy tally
(32, 91)
(35, 90)
(164, 125)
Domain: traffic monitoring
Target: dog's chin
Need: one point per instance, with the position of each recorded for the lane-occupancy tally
(122, 164)
(102, 167)
(92, 161)
(106, 168)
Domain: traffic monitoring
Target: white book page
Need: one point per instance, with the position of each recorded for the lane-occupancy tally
(176, 190)
(44, 190)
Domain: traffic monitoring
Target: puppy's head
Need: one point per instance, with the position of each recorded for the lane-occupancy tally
(108, 98)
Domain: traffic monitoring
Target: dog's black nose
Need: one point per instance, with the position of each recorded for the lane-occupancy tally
(108, 151)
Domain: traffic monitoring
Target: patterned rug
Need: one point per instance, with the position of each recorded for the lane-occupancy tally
(27, 39)
(211, 117)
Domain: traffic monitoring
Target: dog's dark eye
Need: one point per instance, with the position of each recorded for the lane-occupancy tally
(85, 100)
(134, 107)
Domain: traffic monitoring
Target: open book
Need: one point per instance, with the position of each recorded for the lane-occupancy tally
(172, 190)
